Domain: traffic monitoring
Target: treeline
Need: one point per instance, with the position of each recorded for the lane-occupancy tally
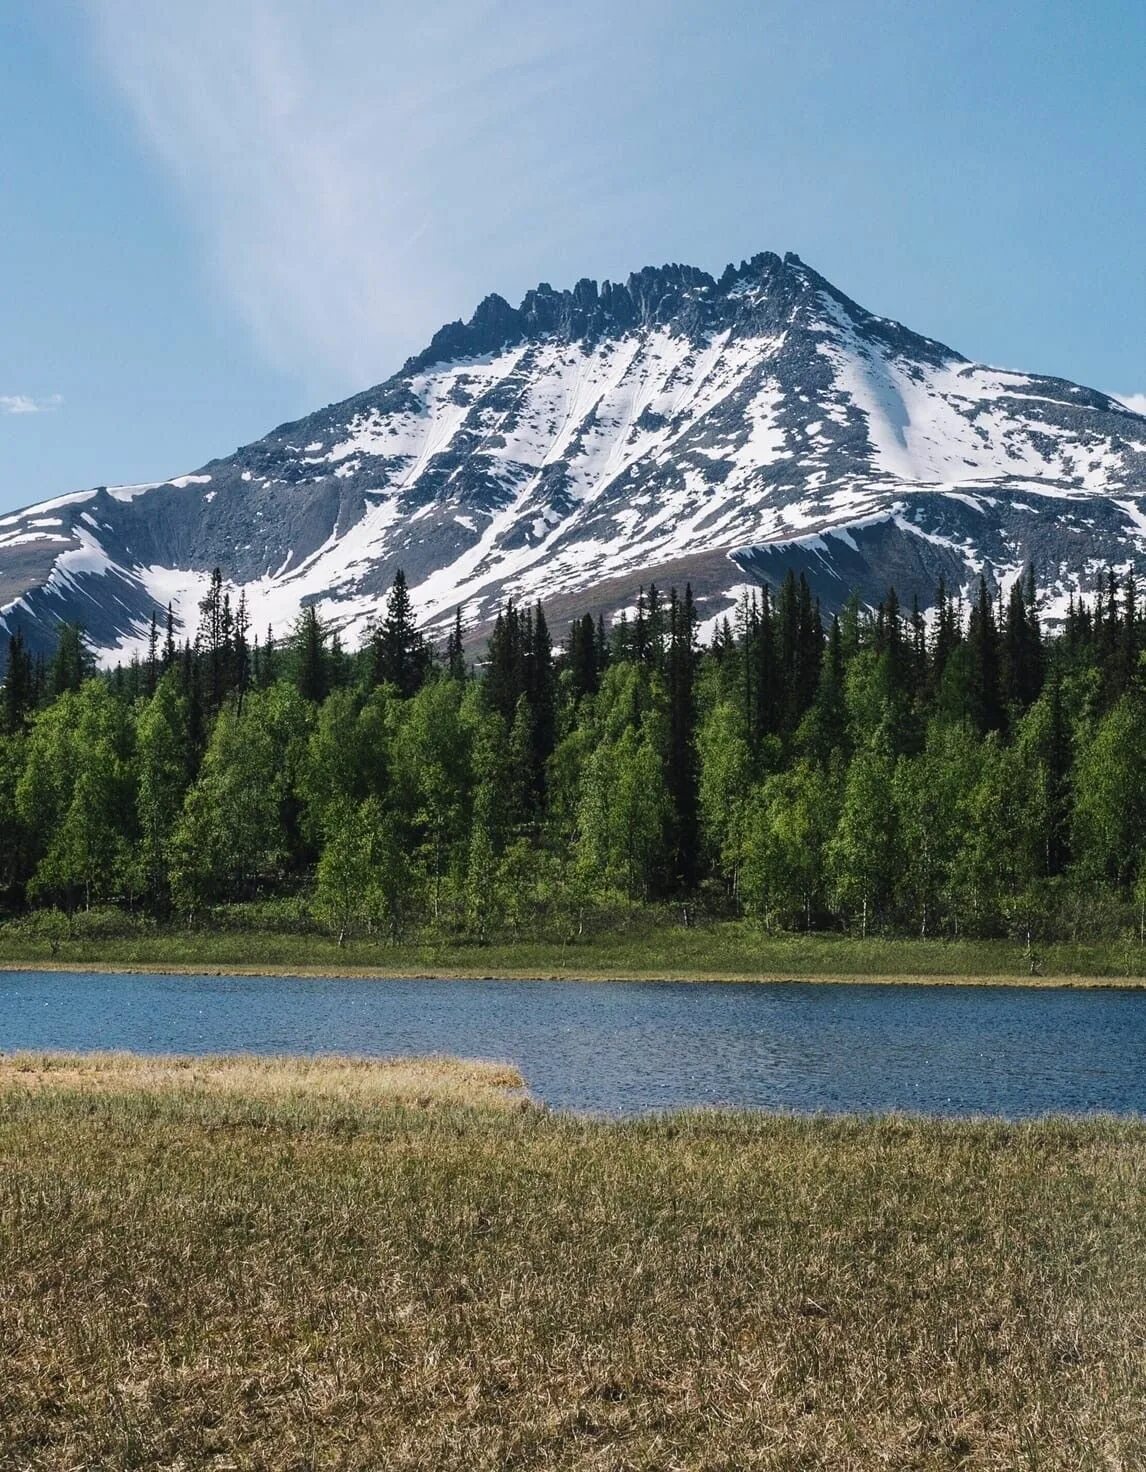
(963, 774)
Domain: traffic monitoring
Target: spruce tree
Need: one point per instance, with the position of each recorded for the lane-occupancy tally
(681, 775)
(152, 677)
(639, 648)
(581, 657)
(656, 632)
(312, 672)
(985, 700)
(213, 638)
(399, 653)
(455, 649)
(541, 691)
(505, 664)
(71, 663)
(268, 661)
(19, 684)
(824, 730)
(1022, 671)
(947, 634)
(603, 646)
(769, 688)
(169, 650)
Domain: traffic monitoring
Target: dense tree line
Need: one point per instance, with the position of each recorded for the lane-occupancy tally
(963, 773)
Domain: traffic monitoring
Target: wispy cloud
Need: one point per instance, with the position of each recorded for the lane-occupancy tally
(341, 161)
(27, 404)
(1137, 402)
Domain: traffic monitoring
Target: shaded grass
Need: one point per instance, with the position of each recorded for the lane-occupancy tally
(308, 1278)
(727, 950)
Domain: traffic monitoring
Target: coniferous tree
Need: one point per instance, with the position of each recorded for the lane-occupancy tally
(19, 684)
(1021, 648)
(455, 649)
(541, 692)
(603, 655)
(985, 699)
(1048, 733)
(213, 638)
(191, 688)
(769, 688)
(71, 663)
(312, 669)
(505, 664)
(747, 624)
(582, 657)
(810, 648)
(152, 657)
(639, 648)
(1131, 635)
(947, 633)
(824, 730)
(399, 653)
(788, 641)
(239, 675)
(682, 767)
(169, 649)
(269, 662)
(657, 631)
(917, 677)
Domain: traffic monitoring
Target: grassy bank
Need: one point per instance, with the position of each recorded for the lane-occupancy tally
(642, 950)
(196, 1272)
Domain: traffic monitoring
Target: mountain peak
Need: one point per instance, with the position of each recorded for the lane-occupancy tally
(676, 295)
(672, 426)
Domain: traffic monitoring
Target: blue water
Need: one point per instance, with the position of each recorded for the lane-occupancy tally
(629, 1047)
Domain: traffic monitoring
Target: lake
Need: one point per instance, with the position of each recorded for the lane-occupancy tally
(626, 1047)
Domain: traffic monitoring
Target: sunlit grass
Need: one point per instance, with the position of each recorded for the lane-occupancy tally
(203, 1264)
(647, 947)
(352, 1081)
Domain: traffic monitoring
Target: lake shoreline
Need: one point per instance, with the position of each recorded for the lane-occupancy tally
(110, 965)
(641, 948)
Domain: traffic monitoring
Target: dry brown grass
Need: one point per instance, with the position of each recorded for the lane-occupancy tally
(365, 1081)
(203, 1277)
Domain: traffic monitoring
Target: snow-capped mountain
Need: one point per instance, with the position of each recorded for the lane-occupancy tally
(589, 441)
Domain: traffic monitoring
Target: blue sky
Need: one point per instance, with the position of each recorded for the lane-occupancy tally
(216, 215)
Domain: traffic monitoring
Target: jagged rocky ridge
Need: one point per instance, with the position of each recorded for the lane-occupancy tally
(672, 427)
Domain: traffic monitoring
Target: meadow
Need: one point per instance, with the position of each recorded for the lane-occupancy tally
(637, 944)
(333, 1264)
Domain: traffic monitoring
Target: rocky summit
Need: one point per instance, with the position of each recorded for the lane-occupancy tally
(674, 427)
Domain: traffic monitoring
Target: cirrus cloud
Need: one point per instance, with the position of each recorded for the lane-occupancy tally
(340, 164)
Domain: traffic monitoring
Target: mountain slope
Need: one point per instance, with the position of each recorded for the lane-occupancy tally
(588, 441)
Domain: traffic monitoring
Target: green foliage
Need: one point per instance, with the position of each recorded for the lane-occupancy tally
(231, 836)
(164, 765)
(974, 779)
(625, 809)
(75, 795)
(789, 827)
(1110, 802)
(725, 790)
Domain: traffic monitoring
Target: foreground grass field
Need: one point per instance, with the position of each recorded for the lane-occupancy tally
(332, 1265)
(643, 950)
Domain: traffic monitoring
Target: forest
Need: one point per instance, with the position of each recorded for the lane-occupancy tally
(878, 772)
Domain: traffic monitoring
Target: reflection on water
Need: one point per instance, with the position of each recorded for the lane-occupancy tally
(628, 1047)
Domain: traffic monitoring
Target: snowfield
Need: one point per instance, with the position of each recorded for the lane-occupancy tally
(674, 427)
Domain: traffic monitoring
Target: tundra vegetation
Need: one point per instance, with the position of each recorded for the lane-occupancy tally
(329, 1263)
(965, 779)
